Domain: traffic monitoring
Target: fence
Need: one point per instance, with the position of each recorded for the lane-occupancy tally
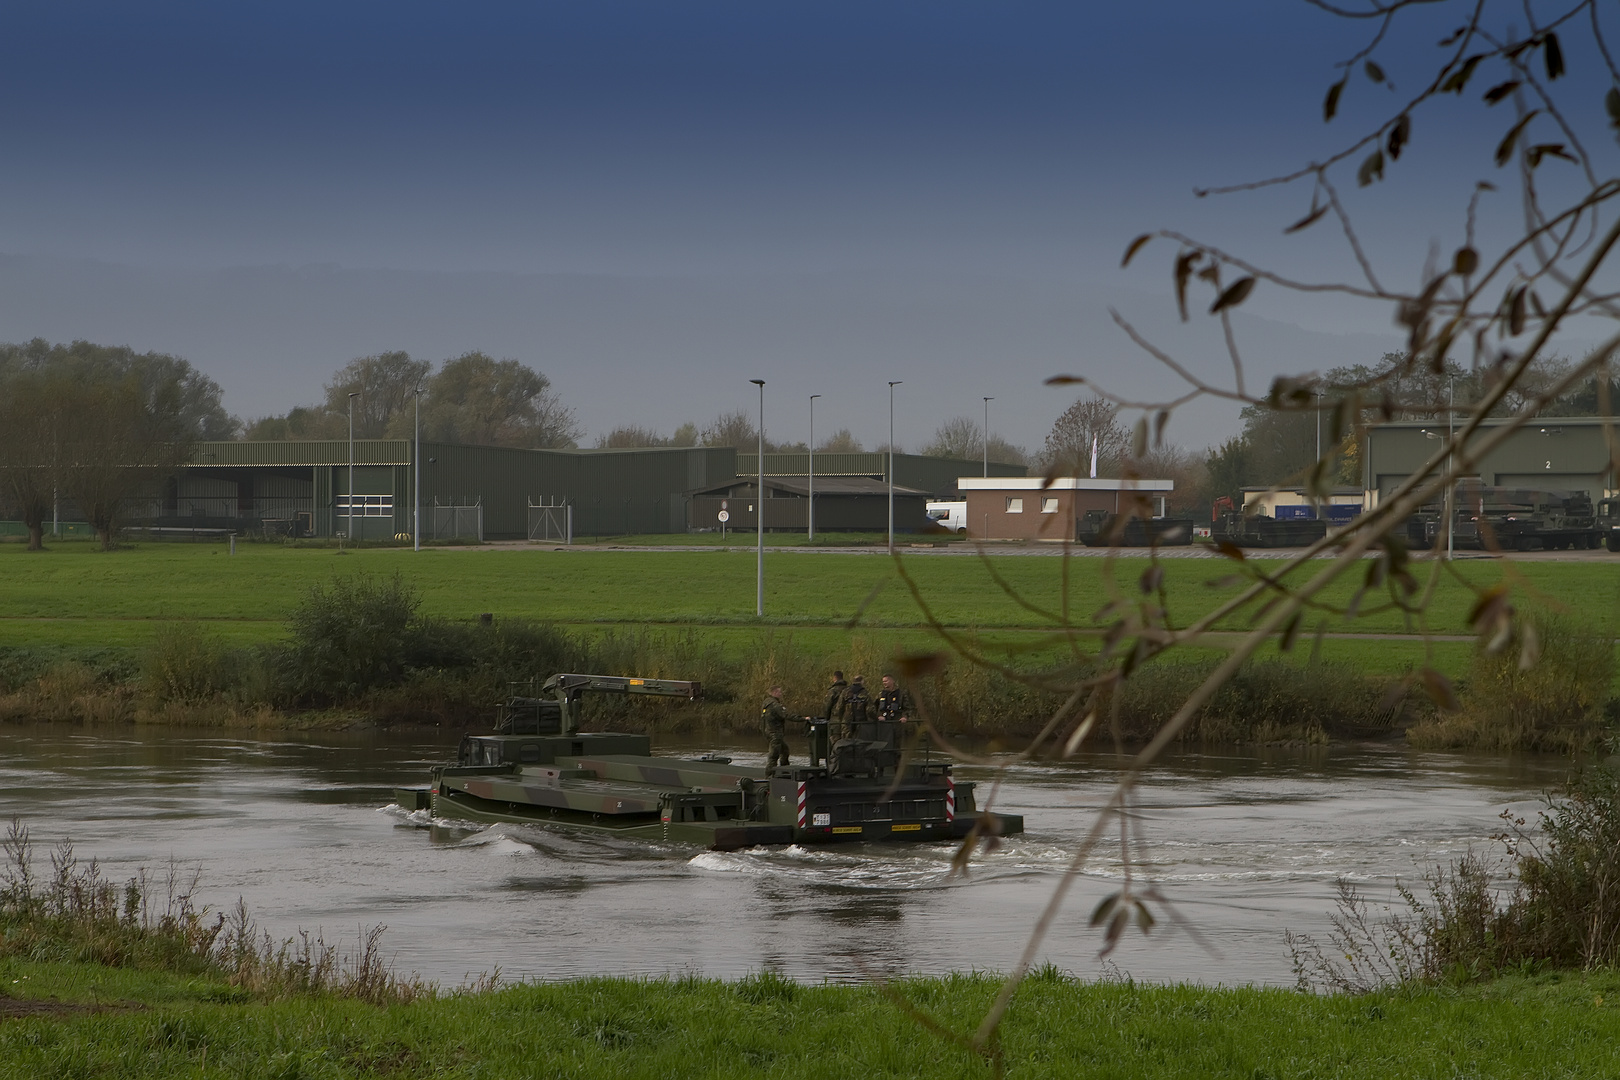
(551, 520)
(457, 522)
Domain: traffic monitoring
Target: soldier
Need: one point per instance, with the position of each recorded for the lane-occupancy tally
(856, 705)
(774, 717)
(895, 702)
(833, 711)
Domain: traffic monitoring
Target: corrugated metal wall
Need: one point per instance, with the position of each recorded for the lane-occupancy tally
(1554, 453)
(937, 476)
(834, 513)
(613, 492)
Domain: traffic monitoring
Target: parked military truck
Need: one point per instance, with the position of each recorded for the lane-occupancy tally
(1100, 528)
(1518, 519)
(539, 768)
(1261, 531)
(1608, 522)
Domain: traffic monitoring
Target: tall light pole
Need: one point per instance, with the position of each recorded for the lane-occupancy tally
(987, 402)
(892, 384)
(811, 509)
(352, 396)
(416, 499)
(1321, 511)
(1451, 479)
(1319, 425)
(759, 505)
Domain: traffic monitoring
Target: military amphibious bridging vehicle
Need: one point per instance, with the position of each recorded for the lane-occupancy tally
(538, 768)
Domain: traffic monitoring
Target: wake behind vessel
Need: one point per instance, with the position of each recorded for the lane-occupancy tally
(538, 768)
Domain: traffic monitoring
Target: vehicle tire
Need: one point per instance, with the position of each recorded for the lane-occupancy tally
(1614, 541)
(962, 531)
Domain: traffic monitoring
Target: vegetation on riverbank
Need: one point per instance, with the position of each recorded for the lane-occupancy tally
(130, 980)
(1554, 906)
(1547, 688)
(358, 646)
(269, 648)
(81, 1020)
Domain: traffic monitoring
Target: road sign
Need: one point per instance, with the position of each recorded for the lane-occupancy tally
(725, 516)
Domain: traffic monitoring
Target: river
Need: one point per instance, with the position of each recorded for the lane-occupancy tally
(1245, 844)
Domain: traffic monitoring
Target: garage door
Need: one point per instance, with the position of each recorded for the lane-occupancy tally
(1591, 483)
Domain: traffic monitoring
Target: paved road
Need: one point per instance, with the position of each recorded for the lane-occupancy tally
(1047, 550)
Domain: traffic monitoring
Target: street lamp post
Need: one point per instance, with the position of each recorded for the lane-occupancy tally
(1451, 486)
(759, 507)
(892, 384)
(1320, 509)
(416, 499)
(352, 396)
(1451, 480)
(810, 509)
(987, 402)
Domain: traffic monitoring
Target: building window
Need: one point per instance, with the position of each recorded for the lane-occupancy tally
(1015, 504)
(366, 506)
(1049, 505)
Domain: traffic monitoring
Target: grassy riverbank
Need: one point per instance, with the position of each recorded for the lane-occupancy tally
(189, 634)
(84, 1020)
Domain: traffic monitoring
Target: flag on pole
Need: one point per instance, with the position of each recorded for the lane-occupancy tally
(1094, 457)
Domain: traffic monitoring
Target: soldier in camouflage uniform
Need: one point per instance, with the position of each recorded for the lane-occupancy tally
(857, 708)
(835, 708)
(773, 715)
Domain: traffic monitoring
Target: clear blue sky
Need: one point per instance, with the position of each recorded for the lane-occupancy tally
(870, 148)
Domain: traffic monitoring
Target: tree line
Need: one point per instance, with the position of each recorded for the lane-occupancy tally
(960, 437)
(472, 398)
(98, 425)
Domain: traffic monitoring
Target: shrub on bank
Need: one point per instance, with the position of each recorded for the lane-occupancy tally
(1549, 696)
(1266, 701)
(1557, 906)
(79, 915)
(350, 635)
(186, 665)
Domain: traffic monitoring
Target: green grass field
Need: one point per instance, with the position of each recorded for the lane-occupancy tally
(139, 1024)
(75, 596)
(261, 583)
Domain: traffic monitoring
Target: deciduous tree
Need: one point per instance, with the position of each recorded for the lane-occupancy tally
(1089, 422)
(479, 400)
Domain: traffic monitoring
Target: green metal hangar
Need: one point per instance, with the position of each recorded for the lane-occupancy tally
(851, 491)
(301, 488)
(1556, 454)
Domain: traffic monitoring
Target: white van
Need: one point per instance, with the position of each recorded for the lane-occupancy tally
(951, 516)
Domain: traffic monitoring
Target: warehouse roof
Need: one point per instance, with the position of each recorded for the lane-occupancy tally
(825, 485)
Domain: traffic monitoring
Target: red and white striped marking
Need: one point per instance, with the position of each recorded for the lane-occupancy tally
(802, 817)
(950, 799)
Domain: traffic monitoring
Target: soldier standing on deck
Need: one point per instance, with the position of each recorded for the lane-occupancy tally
(835, 708)
(895, 703)
(856, 707)
(773, 715)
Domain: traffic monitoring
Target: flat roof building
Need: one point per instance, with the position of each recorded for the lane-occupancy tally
(1034, 508)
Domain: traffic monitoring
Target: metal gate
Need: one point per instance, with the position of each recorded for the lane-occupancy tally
(551, 520)
(458, 522)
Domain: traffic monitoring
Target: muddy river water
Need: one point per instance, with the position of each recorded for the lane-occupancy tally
(1245, 844)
